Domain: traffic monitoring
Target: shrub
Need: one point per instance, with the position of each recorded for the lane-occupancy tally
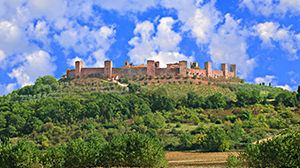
(23, 154)
(178, 125)
(232, 161)
(194, 77)
(199, 82)
(145, 83)
(185, 81)
(281, 151)
(133, 150)
(191, 82)
(218, 121)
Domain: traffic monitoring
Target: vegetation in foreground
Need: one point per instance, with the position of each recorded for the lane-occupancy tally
(128, 150)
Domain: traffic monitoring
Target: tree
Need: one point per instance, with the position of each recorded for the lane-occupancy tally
(215, 101)
(45, 80)
(186, 140)
(287, 98)
(215, 137)
(281, 151)
(133, 88)
(243, 98)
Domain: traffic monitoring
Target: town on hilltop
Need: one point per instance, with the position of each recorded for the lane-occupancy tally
(152, 68)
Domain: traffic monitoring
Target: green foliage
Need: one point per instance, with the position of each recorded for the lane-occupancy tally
(133, 150)
(218, 121)
(178, 125)
(215, 137)
(287, 98)
(281, 151)
(23, 154)
(233, 161)
(133, 88)
(186, 140)
(45, 80)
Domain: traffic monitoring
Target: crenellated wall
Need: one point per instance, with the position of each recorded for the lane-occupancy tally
(152, 68)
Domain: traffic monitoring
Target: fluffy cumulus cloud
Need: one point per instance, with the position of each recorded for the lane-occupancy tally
(286, 87)
(161, 45)
(36, 64)
(267, 79)
(269, 7)
(197, 17)
(229, 45)
(269, 32)
(82, 40)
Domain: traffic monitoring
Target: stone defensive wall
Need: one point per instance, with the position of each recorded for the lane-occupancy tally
(152, 68)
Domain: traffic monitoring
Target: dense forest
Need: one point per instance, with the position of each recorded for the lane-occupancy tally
(180, 114)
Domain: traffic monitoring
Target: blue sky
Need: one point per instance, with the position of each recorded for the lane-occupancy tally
(42, 37)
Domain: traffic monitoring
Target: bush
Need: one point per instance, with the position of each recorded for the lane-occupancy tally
(178, 125)
(23, 154)
(133, 150)
(281, 151)
(232, 161)
(218, 121)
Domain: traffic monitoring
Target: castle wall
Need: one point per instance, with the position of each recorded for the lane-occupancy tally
(198, 72)
(152, 68)
(129, 72)
(216, 74)
(92, 72)
(231, 74)
(165, 71)
(71, 74)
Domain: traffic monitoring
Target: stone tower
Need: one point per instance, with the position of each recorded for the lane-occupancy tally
(150, 67)
(78, 67)
(108, 69)
(207, 66)
(224, 68)
(233, 69)
(183, 68)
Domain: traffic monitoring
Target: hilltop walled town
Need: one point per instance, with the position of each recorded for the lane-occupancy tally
(152, 68)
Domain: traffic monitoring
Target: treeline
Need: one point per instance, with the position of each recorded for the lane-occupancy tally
(128, 150)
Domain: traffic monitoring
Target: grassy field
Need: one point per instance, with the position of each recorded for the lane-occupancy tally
(188, 159)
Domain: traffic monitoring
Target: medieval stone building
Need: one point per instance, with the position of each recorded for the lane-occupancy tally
(152, 68)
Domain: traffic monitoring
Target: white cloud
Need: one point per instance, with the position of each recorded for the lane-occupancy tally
(229, 45)
(83, 40)
(100, 57)
(270, 31)
(161, 46)
(40, 33)
(269, 7)
(267, 79)
(71, 62)
(286, 87)
(2, 55)
(5, 89)
(198, 18)
(123, 6)
(13, 39)
(37, 64)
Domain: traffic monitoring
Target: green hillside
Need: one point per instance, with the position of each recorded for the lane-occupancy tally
(188, 114)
